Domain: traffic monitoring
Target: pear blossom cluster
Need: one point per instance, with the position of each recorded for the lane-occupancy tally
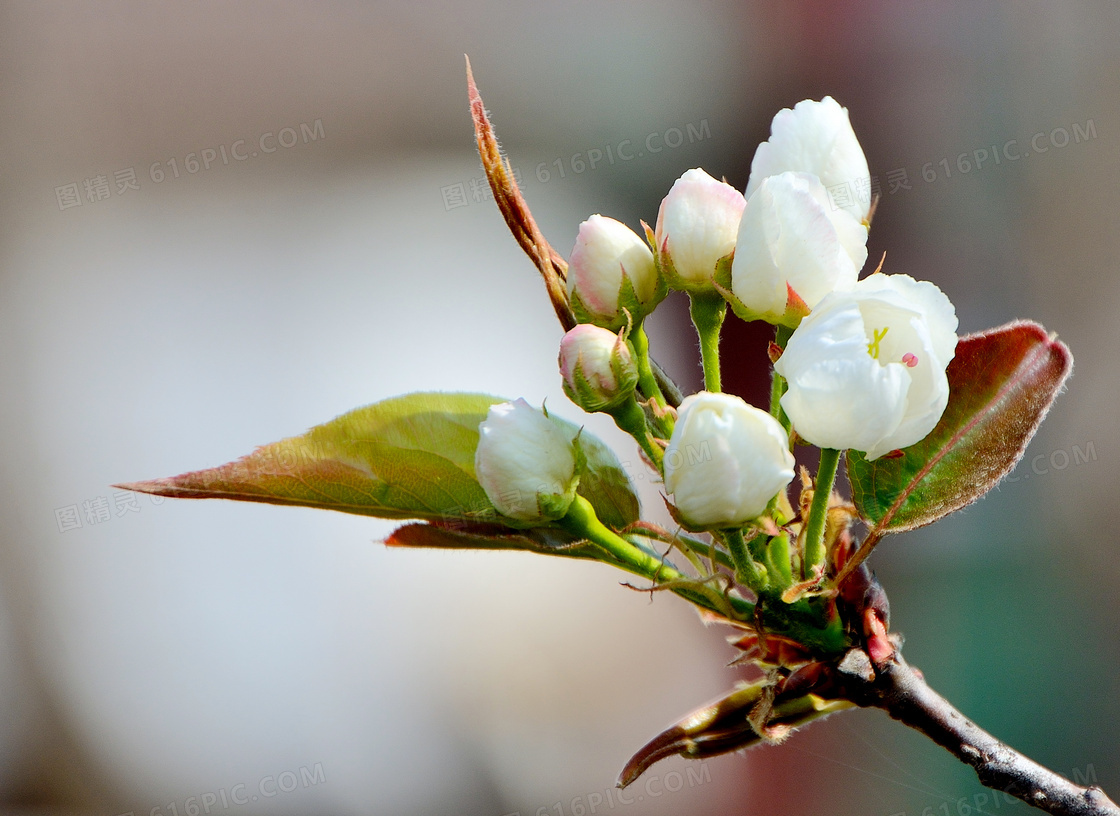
(862, 363)
(858, 363)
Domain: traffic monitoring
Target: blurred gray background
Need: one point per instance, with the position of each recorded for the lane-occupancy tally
(222, 223)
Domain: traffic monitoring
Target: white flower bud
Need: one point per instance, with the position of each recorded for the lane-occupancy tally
(726, 460)
(793, 249)
(696, 226)
(525, 462)
(598, 369)
(816, 138)
(611, 269)
(866, 369)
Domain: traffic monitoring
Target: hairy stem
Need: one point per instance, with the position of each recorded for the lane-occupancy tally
(629, 417)
(708, 312)
(581, 519)
(818, 511)
(646, 379)
(747, 571)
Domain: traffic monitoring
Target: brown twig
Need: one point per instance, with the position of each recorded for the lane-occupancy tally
(903, 693)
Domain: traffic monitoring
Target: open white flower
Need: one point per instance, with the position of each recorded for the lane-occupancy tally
(793, 249)
(726, 460)
(696, 226)
(817, 138)
(866, 369)
(611, 269)
(525, 462)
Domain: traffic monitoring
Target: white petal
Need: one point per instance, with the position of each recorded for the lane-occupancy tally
(522, 454)
(789, 234)
(725, 460)
(839, 397)
(604, 248)
(699, 220)
(817, 138)
(937, 310)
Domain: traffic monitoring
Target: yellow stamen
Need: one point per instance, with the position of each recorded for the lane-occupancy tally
(873, 346)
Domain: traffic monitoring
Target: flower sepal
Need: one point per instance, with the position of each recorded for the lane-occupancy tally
(796, 308)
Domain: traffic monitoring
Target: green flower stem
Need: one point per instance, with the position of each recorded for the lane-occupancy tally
(582, 521)
(708, 311)
(778, 382)
(818, 511)
(801, 621)
(646, 379)
(780, 568)
(757, 545)
(746, 568)
(777, 389)
(631, 418)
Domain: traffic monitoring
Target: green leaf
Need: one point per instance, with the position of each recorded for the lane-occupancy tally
(408, 457)
(1001, 384)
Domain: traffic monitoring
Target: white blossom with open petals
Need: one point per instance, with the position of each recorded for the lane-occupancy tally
(866, 370)
(817, 137)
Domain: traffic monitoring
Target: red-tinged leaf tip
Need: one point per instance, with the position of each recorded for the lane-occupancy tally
(158, 487)
(515, 210)
(726, 725)
(1001, 385)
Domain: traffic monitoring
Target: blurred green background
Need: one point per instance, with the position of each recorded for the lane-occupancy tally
(281, 218)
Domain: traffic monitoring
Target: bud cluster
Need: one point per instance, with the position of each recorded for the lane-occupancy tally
(857, 364)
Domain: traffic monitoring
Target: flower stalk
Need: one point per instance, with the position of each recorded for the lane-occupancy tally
(818, 513)
(708, 311)
(748, 572)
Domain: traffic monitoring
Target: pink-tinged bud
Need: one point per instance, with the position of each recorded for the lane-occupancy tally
(598, 369)
(525, 462)
(696, 226)
(612, 272)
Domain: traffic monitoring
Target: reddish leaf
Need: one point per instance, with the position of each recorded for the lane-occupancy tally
(453, 536)
(1001, 384)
